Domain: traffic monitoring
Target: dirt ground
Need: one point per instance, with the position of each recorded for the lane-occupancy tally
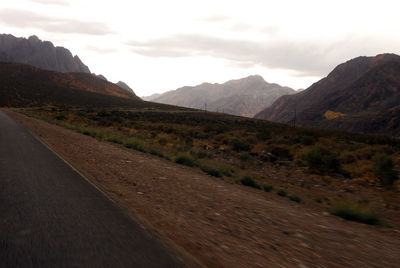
(217, 223)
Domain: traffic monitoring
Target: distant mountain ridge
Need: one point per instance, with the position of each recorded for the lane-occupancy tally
(41, 54)
(244, 97)
(361, 95)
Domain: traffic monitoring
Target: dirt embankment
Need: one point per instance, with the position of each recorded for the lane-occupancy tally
(220, 224)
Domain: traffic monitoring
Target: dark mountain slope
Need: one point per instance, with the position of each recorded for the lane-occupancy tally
(360, 95)
(25, 85)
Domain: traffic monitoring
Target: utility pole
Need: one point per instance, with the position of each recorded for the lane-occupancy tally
(295, 114)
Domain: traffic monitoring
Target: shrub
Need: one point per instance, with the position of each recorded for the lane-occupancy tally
(295, 198)
(185, 160)
(281, 153)
(268, 188)
(347, 157)
(244, 156)
(239, 145)
(248, 181)
(322, 160)
(383, 169)
(61, 117)
(264, 135)
(282, 192)
(156, 153)
(225, 171)
(356, 213)
(162, 141)
(115, 140)
(211, 171)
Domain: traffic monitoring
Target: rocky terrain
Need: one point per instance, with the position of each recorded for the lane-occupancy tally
(361, 95)
(244, 97)
(41, 54)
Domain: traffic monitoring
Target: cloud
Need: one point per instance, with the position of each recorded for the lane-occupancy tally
(303, 57)
(26, 19)
(101, 50)
(216, 18)
(52, 2)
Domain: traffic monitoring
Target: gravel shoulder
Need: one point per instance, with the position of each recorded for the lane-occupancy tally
(219, 224)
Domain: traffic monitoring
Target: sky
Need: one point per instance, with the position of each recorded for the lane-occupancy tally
(156, 46)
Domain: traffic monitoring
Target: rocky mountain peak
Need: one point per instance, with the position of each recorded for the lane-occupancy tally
(41, 54)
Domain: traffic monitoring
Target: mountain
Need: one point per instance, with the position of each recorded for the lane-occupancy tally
(151, 97)
(244, 97)
(25, 85)
(361, 95)
(124, 86)
(41, 54)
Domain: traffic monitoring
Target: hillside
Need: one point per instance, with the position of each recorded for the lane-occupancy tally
(361, 95)
(25, 85)
(244, 97)
(41, 54)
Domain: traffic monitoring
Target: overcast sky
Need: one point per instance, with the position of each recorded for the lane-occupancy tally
(156, 46)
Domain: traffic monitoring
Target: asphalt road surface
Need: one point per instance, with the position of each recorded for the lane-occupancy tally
(52, 217)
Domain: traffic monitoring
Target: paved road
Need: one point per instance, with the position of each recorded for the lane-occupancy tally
(51, 217)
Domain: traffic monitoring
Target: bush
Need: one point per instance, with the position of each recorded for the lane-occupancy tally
(268, 188)
(134, 145)
(244, 156)
(162, 141)
(281, 153)
(185, 160)
(248, 181)
(211, 171)
(282, 192)
(322, 160)
(239, 145)
(348, 158)
(355, 213)
(295, 198)
(156, 153)
(383, 168)
(114, 140)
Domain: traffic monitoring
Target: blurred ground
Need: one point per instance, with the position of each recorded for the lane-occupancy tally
(220, 224)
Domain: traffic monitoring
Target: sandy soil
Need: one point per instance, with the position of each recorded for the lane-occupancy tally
(218, 223)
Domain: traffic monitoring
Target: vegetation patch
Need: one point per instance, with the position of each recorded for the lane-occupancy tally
(383, 168)
(248, 181)
(294, 198)
(211, 171)
(281, 192)
(185, 160)
(353, 212)
(268, 187)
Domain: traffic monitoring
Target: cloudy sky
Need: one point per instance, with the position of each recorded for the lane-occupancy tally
(156, 46)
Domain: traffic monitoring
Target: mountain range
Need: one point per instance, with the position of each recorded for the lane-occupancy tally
(44, 55)
(243, 97)
(361, 95)
(41, 54)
